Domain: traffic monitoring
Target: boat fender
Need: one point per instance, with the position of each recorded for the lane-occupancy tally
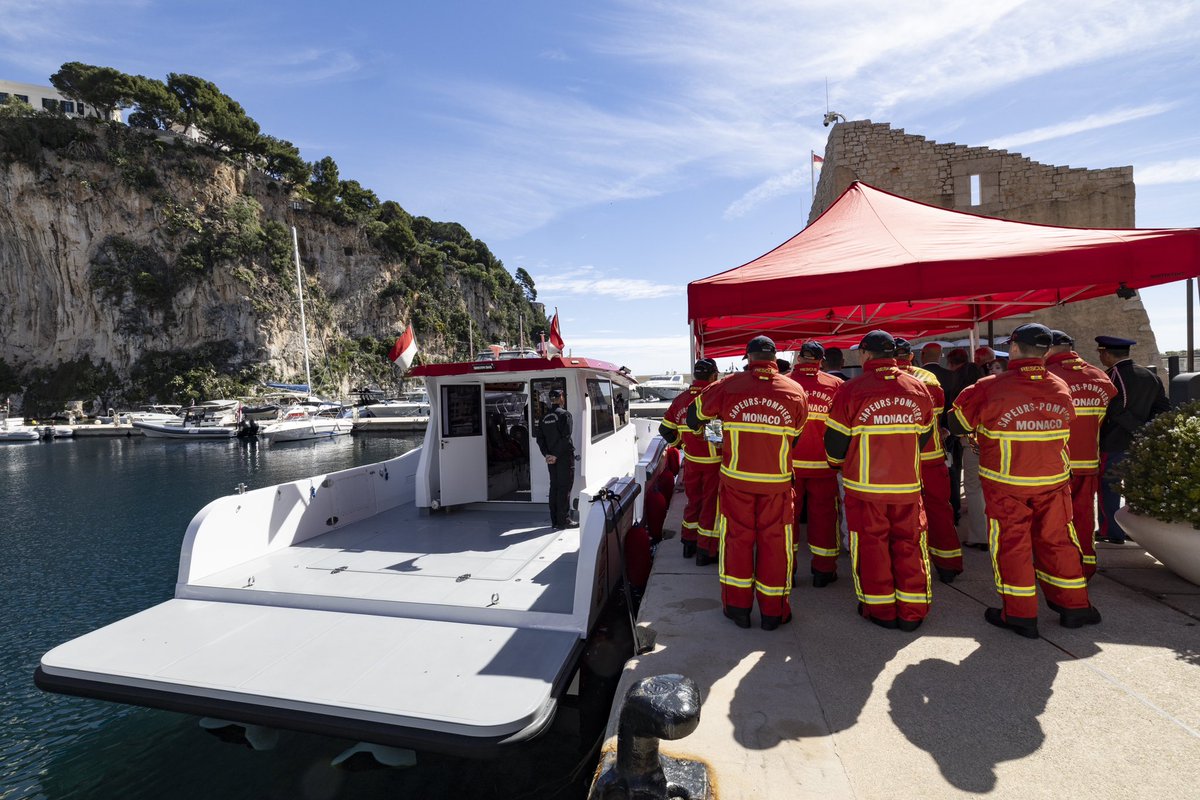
(637, 556)
(654, 513)
(674, 461)
(666, 485)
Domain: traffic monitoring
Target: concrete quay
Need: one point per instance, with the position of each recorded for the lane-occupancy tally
(831, 706)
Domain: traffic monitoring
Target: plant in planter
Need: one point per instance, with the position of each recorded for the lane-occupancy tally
(1162, 490)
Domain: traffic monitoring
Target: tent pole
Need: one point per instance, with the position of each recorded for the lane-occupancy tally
(695, 352)
(974, 337)
(991, 335)
(1191, 351)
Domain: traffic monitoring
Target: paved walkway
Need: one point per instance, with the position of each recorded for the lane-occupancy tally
(831, 706)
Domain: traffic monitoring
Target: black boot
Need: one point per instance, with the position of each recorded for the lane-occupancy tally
(946, 575)
(1021, 626)
(1075, 617)
(703, 559)
(890, 624)
(771, 623)
(740, 616)
(823, 579)
(908, 625)
(689, 549)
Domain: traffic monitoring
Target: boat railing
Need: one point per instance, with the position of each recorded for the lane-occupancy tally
(234, 529)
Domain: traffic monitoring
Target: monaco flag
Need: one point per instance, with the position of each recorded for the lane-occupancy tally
(404, 350)
(556, 339)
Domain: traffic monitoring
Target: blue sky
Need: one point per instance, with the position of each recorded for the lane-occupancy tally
(618, 150)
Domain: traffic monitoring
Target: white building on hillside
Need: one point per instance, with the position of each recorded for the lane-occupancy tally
(47, 98)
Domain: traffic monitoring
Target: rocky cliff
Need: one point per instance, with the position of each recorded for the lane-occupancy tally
(129, 258)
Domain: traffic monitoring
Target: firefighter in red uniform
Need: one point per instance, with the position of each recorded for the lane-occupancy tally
(1022, 418)
(1091, 391)
(701, 471)
(816, 489)
(875, 431)
(945, 551)
(762, 414)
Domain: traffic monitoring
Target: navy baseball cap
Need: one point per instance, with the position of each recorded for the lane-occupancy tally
(812, 350)
(1032, 333)
(704, 366)
(760, 345)
(878, 342)
(903, 346)
(1058, 337)
(1113, 343)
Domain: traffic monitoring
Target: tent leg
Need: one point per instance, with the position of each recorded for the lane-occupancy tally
(694, 352)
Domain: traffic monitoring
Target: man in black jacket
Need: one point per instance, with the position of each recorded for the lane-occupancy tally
(555, 442)
(1140, 398)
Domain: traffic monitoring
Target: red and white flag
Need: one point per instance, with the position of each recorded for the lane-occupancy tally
(817, 159)
(556, 339)
(404, 350)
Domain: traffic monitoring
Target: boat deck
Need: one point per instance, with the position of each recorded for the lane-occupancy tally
(495, 556)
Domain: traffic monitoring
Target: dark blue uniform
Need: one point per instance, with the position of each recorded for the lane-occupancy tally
(554, 439)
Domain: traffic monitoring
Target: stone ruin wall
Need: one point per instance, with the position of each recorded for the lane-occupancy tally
(1011, 186)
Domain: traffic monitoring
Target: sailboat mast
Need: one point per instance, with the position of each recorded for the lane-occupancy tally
(303, 324)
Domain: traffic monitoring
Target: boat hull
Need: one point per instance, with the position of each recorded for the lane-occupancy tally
(306, 430)
(186, 432)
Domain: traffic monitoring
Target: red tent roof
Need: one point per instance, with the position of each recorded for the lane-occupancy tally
(878, 260)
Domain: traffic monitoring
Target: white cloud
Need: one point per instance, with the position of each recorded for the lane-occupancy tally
(1185, 170)
(1088, 123)
(769, 189)
(589, 281)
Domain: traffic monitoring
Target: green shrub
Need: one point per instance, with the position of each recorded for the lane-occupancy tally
(1162, 473)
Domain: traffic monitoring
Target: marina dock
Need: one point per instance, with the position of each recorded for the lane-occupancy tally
(831, 706)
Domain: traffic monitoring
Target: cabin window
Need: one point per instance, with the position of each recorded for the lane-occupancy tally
(621, 405)
(462, 411)
(540, 391)
(601, 401)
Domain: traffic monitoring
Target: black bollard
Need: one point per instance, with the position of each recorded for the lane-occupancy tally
(659, 707)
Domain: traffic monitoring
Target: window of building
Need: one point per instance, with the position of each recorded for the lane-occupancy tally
(49, 104)
(3, 96)
(976, 193)
(80, 109)
(67, 106)
(24, 98)
(601, 401)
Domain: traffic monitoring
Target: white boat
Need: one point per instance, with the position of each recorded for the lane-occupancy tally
(302, 424)
(422, 602)
(14, 431)
(663, 387)
(408, 404)
(214, 419)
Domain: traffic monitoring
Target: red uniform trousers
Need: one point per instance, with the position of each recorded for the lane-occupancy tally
(889, 559)
(700, 514)
(1084, 489)
(1033, 542)
(944, 547)
(818, 496)
(756, 549)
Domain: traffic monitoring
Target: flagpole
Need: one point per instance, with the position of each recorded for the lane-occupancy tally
(303, 325)
(812, 177)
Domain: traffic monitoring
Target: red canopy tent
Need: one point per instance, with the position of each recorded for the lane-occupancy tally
(878, 260)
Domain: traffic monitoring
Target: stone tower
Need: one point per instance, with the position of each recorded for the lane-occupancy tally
(996, 183)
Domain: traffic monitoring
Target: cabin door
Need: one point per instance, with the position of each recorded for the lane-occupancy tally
(462, 459)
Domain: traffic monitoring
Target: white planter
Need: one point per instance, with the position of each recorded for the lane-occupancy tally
(1175, 544)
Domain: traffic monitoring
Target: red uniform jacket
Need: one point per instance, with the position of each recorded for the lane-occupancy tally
(932, 451)
(876, 430)
(1090, 392)
(1023, 420)
(696, 447)
(762, 414)
(808, 457)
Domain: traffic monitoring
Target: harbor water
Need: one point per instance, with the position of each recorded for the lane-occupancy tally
(92, 531)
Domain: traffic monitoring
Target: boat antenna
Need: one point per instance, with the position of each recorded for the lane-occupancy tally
(303, 325)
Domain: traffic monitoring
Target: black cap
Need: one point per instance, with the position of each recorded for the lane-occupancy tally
(903, 347)
(1058, 337)
(704, 367)
(878, 342)
(761, 345)
(1033, 334)
(555, 393)
(1113, 343)
(812, 350)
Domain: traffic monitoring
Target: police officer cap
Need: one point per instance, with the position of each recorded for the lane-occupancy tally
(1032, 333)
(1058, 337)
(903, 346)
(812, 350)
(1113, 343)
(555, 393)
(878, 342)
(762, 345)
(704, 366)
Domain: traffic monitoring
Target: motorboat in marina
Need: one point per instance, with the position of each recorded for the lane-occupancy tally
(214, 419)
(422, 602)
(300, 424)
(663, 387)
(13, 431)
(408, 404)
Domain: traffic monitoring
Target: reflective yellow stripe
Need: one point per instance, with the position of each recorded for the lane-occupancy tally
(911, 597)
(810, 465)
(707, 533)
(879, 599)
(790, 546)
(700, 410)
(1019, 481)
(823, 551)
(933, 455)
(1001, 586)
(735, 449)
(817, 416)
(690, 525)
(1090, 411)
(871, 430)
(1062, 583)
(771, 591)
(1026, 436)
(740, 583)
(1005, 458)
(1089, 559)
(666, 423)
(837, 426)
(758, 427)
(854, 564)
(702, 459)
(757, 477)
(1016, 591)
(785, 456)
(882, 488)
(1095, 464)
(956, 553)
